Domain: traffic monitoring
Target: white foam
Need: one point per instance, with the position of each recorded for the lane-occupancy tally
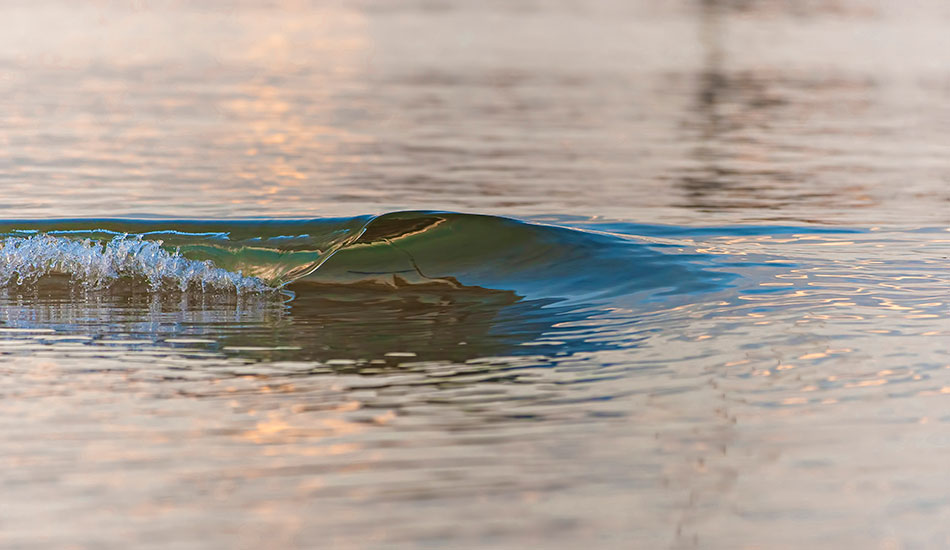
(96, 264)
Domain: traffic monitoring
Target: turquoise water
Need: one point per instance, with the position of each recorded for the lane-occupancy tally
(447, 274)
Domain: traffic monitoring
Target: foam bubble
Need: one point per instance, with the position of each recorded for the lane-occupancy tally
(96, 264)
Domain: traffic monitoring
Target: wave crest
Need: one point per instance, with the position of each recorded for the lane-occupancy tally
(97, 265)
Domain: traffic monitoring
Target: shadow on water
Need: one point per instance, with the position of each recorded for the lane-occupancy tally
(439, 324)
(349, 324)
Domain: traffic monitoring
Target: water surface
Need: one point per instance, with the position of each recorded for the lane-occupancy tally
(474, 275)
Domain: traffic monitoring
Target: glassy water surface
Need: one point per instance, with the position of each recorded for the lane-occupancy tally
(699, 300)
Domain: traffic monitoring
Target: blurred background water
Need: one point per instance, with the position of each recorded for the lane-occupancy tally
(791, 154)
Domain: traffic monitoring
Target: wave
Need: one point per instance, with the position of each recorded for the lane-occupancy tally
(93, 264)
(395, 249)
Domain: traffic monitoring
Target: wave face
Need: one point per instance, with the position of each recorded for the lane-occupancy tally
(397, 249)
(534, 260)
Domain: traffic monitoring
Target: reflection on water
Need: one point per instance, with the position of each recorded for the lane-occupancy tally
(360, 327)
(688, 111)
(290, 398)
(743, 120)
(427, 406)
(766, 387)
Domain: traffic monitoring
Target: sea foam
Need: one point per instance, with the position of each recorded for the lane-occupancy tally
(95, 264)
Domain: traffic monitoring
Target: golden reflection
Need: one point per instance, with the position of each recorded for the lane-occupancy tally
(866, 383)
(311, 450)
(275, 138)
(279, 427)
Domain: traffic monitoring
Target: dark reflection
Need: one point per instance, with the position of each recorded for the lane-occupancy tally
(433, 322)
(796, 8)
(361, 323)
(714, 184)
(751, 127)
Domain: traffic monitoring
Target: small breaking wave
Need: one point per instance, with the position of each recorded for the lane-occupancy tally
(436, 249)
(97, 265)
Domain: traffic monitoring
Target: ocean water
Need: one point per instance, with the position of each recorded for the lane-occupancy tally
(500, 274)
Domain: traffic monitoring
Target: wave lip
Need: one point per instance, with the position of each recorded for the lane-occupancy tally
(96, 264)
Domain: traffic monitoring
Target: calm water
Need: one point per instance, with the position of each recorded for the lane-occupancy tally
(704, 303)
